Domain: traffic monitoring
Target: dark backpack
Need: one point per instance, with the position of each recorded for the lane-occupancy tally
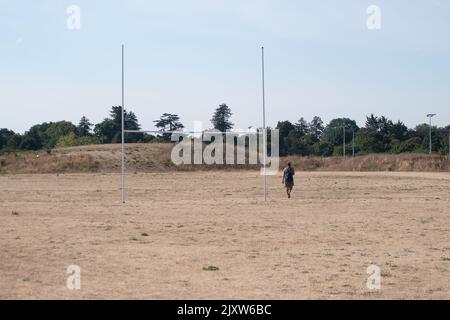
(288, 176)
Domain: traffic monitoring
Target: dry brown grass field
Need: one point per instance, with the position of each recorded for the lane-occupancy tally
(156, 246)
(155, 157)
(175, 225)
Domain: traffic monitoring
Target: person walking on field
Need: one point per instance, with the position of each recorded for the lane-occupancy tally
(288, 179)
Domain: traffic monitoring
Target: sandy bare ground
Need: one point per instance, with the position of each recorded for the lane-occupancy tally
(317, 245)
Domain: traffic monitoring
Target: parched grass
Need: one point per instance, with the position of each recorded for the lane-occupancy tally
(155, 157)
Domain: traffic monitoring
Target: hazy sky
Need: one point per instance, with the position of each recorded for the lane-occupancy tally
(187, 57)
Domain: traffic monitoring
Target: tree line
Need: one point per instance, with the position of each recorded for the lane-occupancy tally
(379, 134)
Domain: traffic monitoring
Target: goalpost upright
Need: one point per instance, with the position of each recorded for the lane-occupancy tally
(122, 178)
(264, 124)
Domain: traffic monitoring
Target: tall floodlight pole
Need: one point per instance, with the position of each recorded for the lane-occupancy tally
(264, 124)
(431, 115)
(353, 141)
(343, 128)
(122, 182)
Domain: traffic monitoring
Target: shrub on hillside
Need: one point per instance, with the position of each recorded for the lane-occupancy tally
(71, 140)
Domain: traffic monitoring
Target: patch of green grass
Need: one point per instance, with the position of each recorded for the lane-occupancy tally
(211, 268)
(385, 274)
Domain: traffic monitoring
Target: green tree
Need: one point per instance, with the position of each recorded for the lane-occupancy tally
(5, 136)
(299, 144)
(316, 128)
(445, 135)
(45, 135)
(322, 148)
(422, 131)
(55, 131)
(413, 144)
(68, 140)
(35, 137)
(221, 118)
(110, 129)
(130, 119)
(31, 141)
(84, 127)
(366, 141)
(382, 135)
(284, 128)
(168, 122)
(399, 131)
(334, 133)
(106, 130)
(71, 140)
(301, 127)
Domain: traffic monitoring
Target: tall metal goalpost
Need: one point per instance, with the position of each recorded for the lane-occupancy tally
(122, 175)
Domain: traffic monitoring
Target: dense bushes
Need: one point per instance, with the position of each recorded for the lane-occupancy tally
(379, 134)
(61, 134)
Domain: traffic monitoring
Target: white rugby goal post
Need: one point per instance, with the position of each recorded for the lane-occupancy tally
(264, 131)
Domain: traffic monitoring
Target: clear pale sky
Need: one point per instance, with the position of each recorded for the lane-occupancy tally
(187, 57)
